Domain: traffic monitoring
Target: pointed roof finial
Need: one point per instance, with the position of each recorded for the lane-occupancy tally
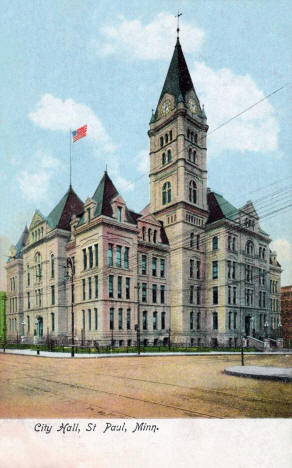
(177, 16)
(105, 169)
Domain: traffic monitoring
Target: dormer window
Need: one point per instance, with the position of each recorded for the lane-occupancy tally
(88, 214)
(119, 214)
(155, 236)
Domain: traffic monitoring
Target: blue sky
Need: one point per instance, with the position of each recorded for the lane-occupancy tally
(67, 63)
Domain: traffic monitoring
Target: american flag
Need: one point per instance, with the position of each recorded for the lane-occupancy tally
(79, 133)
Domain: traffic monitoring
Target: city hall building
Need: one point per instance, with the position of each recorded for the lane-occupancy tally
(190, 267)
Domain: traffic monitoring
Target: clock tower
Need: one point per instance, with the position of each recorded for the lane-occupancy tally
(178, 187)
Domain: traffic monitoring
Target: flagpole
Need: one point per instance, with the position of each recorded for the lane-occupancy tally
(70, 136)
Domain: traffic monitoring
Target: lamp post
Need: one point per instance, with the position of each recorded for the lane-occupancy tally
(137, 326)
(70, 266)
(266, 327)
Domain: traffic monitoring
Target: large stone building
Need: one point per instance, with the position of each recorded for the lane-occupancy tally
(286, 315)
(190, 266)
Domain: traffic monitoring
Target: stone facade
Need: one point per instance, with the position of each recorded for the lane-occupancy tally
(286, 315)
(190, 266)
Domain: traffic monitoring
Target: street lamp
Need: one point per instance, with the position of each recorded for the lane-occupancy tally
(70, 266)
(266, 326)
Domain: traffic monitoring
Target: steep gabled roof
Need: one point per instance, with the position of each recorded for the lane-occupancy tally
(103, 196)
(61, 215)
(21, 242)
(220, 208)
(178, 80)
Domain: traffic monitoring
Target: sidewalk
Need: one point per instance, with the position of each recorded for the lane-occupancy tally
(283, 374)
(29, 352)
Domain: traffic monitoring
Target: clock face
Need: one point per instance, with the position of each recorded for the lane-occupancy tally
(193, 106)
(165, 107)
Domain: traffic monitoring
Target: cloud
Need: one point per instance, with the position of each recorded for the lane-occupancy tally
(152, 41)
(47, 161)
(34, 186)
(143, 161)
(54, 114)
(5, 243)
(284, 254)
(226, 94)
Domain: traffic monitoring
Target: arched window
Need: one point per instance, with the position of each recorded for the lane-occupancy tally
(143, 232)
(194, 156)
(166, 138)
(188, 134)
(32, 235)
(169, 156)
(161, 141)
(190, 154)
(264, 253)
(195, 138)
(193, 191)
(215, 243)
(192, 240)
(170, 135)
(163, 159)
(249, 247)
(52, 266)
(233, 244)
(192, 136)
(155, 236)
(38, 267)
(260, 252)
(166, 193)
(42, 231)
(149, 235)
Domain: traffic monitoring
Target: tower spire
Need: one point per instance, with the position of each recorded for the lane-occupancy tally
(177, 16)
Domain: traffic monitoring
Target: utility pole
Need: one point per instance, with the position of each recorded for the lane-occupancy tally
(70, 264)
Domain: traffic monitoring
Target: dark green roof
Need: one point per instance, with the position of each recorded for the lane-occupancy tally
(21, 242)
(220, 208)
(178, 80)
(229, 211)
(61, 215)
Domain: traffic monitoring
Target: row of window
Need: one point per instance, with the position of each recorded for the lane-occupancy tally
(89, 319)
(274, 286)
(192, 295)
(192, 155)
(166, 157)
(194, 240)
(167, 137)
(38, 294)
(154, 291)
(156, 323)
(13, 283)
(92, 288)
(13, 305)
(194, 219)
(12, 325)
(151, 237)
(192, 136)
(275, 305)
(118, 249)
(154, 265)
(37, 234)
(90, 257)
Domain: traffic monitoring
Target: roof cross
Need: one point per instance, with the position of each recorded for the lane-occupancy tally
(177, 16)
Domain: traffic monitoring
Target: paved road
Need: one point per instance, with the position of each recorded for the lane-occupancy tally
(175, 386)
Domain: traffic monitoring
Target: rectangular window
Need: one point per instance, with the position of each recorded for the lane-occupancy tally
(198, 320)
(191, 294)
(228, 268)
(89, 289)
(215, 295)
(88, 214)
(198, 241)
(154, 266)
(191, 320)
(264, 299)
(28, 300)
(119, 256)
(154, 320)
(162, 320)
(128, 319)
(143, 265)
(89, 319)
(96, 254)
(215, 270)
(53, 321)
(234, 294)
(191, 268)
(128, 288)
(144, 320)
(234, 320)
(154, 293)
(120, 319)
(198, 269)
(119, 214)
(233, 270)
(229, 294)
(28, 324)
(198, 295)
(229, 320)
(126, 257)
(52, 295)
(28, 277)
(162, 268)
(162, 294)
(119, 287)
(112, 310)
(260, 299)
(96, 286)
(111, 286)
(95, 319)
(110, 255)
(84, 259)
(144, 292)
(90, 255)
(83, 290)
(215, 321)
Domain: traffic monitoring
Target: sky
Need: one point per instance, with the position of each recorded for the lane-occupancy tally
(74, 62)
